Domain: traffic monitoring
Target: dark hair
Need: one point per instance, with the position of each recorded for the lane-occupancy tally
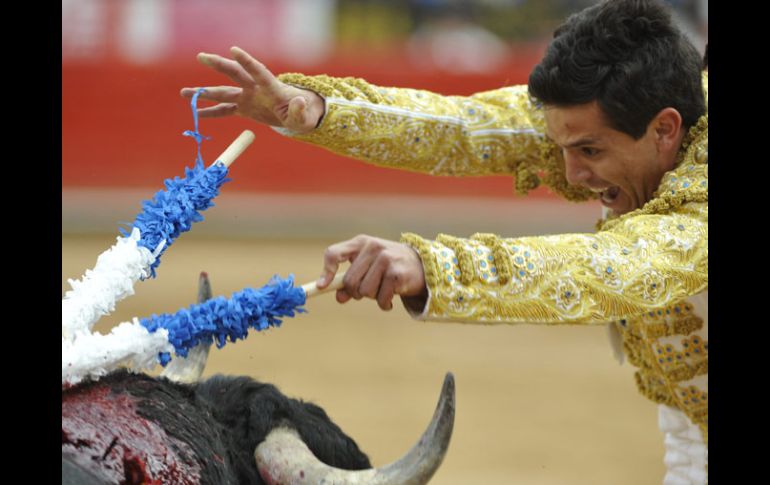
(629, 57)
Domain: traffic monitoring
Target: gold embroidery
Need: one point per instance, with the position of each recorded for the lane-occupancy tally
(677, 319)
(327, 86)
(636, 270)
(465, 260)
(694, 403)
(663, 365)
(428, 262)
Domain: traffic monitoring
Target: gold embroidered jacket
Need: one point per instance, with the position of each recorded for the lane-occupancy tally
(645, 272)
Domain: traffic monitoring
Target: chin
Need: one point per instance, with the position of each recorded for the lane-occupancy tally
(619, 207)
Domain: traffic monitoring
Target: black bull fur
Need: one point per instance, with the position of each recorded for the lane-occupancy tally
(132, 428)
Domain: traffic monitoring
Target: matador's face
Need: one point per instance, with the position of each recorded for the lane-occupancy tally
(623, 171)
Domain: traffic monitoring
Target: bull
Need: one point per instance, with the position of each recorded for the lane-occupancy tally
(131, 428)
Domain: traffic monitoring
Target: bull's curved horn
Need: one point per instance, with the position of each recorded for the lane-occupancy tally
(283, 458)
(188, 370)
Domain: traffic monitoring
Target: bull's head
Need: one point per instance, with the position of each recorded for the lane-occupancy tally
(282, 456)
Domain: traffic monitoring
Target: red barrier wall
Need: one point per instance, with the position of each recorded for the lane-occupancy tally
(122, 126)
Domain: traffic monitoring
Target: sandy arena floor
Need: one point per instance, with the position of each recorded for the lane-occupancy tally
(534, 405)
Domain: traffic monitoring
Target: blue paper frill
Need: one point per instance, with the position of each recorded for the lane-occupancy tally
(174, 210)
(224, 319)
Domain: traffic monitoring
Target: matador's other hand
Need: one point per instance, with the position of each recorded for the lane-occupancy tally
(379, 269)
(259, 94)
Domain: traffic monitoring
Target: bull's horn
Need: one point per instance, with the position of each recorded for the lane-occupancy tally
(188, 370)
(283, 458)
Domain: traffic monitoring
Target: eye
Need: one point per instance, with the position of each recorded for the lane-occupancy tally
(589, 151)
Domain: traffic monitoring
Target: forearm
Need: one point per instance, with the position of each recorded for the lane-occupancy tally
(497, 132)
(571, 278)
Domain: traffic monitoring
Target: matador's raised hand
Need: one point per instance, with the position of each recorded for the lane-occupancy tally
(259, 94)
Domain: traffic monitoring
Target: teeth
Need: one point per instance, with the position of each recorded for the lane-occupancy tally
(598, 191)
(610, 194)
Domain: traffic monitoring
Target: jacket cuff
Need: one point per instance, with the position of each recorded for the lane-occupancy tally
(418, 307)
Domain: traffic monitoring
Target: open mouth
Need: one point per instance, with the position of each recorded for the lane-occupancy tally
(609, 195)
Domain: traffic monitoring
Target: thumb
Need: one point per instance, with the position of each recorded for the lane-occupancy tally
(334, 255)
(327, 275)
(295, 119)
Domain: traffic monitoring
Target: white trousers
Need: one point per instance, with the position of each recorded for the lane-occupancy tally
(686, 453)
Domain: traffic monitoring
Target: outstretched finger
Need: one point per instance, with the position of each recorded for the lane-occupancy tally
(228, 67)
(258, 72)
(222, 109)
(220, 94)
(333, 256)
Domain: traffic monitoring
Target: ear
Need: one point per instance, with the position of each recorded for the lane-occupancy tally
(668, 129)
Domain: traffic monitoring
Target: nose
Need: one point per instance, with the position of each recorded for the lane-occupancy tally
(575, 171)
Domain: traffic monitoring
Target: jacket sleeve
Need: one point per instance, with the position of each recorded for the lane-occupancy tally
(642, 262)
(497, 132)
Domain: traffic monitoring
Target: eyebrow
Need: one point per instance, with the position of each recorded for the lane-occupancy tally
(582, 141)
